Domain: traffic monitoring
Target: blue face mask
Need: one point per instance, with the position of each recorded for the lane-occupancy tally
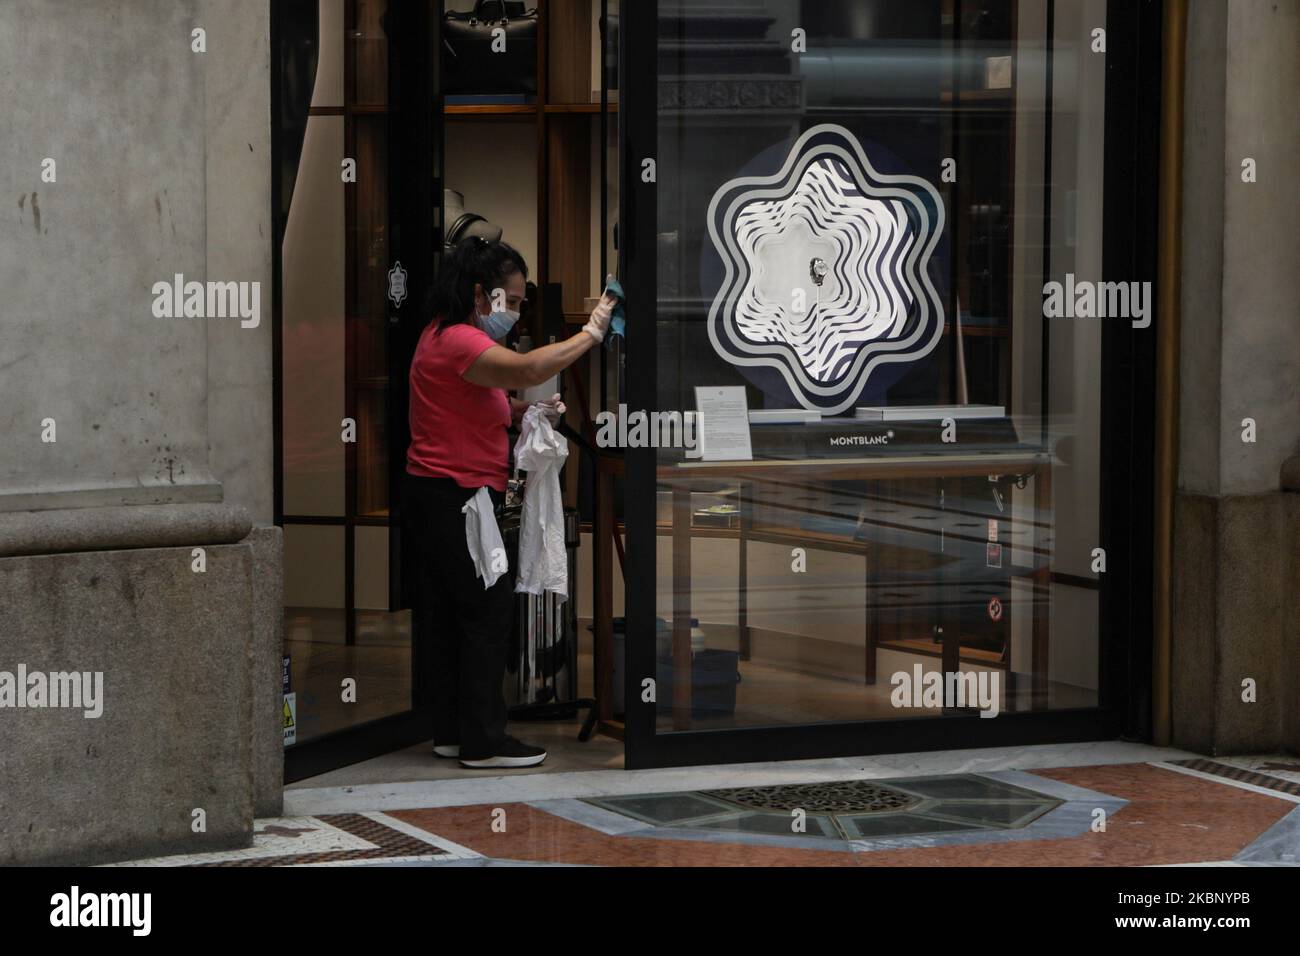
(498, 324)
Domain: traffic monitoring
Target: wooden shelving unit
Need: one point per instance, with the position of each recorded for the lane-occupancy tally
(565, 174)
(488, 109)
(554, 171)
(566, 130)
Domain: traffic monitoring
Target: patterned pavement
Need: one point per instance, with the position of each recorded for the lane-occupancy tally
(1239, 811)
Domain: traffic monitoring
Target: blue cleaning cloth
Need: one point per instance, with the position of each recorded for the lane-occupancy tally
(617, 318)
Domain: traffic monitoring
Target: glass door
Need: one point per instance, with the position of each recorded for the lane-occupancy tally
(355, 172)
(883, 259)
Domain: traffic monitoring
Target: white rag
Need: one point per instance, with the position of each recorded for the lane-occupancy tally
(543, 564)
(484, 538)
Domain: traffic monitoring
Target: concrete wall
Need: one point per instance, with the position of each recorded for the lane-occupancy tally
(1241, 324)
(239, 239)
(1202, 281)
(175, 650)
(1234, 607)
(162, 166)
(127, 391)
(1235, 523)
(1261, 262)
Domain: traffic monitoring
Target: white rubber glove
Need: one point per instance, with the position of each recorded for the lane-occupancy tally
(599, 321)
(553, 409)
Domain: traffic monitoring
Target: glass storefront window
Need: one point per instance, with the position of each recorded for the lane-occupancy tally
(334, 374)
(858, 205)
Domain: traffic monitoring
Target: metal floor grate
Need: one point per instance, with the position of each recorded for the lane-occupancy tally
(840, 796)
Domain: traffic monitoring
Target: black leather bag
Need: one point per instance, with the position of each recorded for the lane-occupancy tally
(471, 66)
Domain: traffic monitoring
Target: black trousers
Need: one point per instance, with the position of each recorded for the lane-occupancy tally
(468, 624)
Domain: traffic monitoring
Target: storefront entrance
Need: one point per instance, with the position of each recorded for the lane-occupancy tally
(890, 263)
(384, 147)
(922, 513)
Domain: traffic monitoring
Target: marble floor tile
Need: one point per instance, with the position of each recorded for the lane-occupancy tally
(1280, 843)
(532, 834)
(306, 800)
(1168, 818)
(1282, 766)
(1205, 769)
(1157, 812)
(272, 837)
(326, 840)
(1154, 817)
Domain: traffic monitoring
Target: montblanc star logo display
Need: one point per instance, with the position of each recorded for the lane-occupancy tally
(826, 269)
(397, 283)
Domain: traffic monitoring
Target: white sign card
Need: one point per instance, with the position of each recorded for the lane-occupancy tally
(722, 423)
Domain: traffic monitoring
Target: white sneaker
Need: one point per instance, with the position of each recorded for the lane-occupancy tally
(447, 750)
(511, 753)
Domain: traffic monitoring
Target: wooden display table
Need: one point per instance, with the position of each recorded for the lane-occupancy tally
(801, 473)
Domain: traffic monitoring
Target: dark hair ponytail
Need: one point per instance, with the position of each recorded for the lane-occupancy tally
(473, 260)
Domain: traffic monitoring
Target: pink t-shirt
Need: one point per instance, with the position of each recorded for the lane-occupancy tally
(458, 429)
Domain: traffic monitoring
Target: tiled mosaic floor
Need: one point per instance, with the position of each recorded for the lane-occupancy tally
(1284, 777)
(1182, 812)
(327, 839)
(844, 810)
(1154, 815)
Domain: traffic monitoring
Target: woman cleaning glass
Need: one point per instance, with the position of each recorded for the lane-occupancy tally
(459, 417)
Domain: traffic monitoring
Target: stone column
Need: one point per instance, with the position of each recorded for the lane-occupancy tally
(1237, 520)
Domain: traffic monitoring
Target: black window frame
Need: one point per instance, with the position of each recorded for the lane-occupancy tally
(1127, 388)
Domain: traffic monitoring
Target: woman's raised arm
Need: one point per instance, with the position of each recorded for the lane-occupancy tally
(500, 367)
